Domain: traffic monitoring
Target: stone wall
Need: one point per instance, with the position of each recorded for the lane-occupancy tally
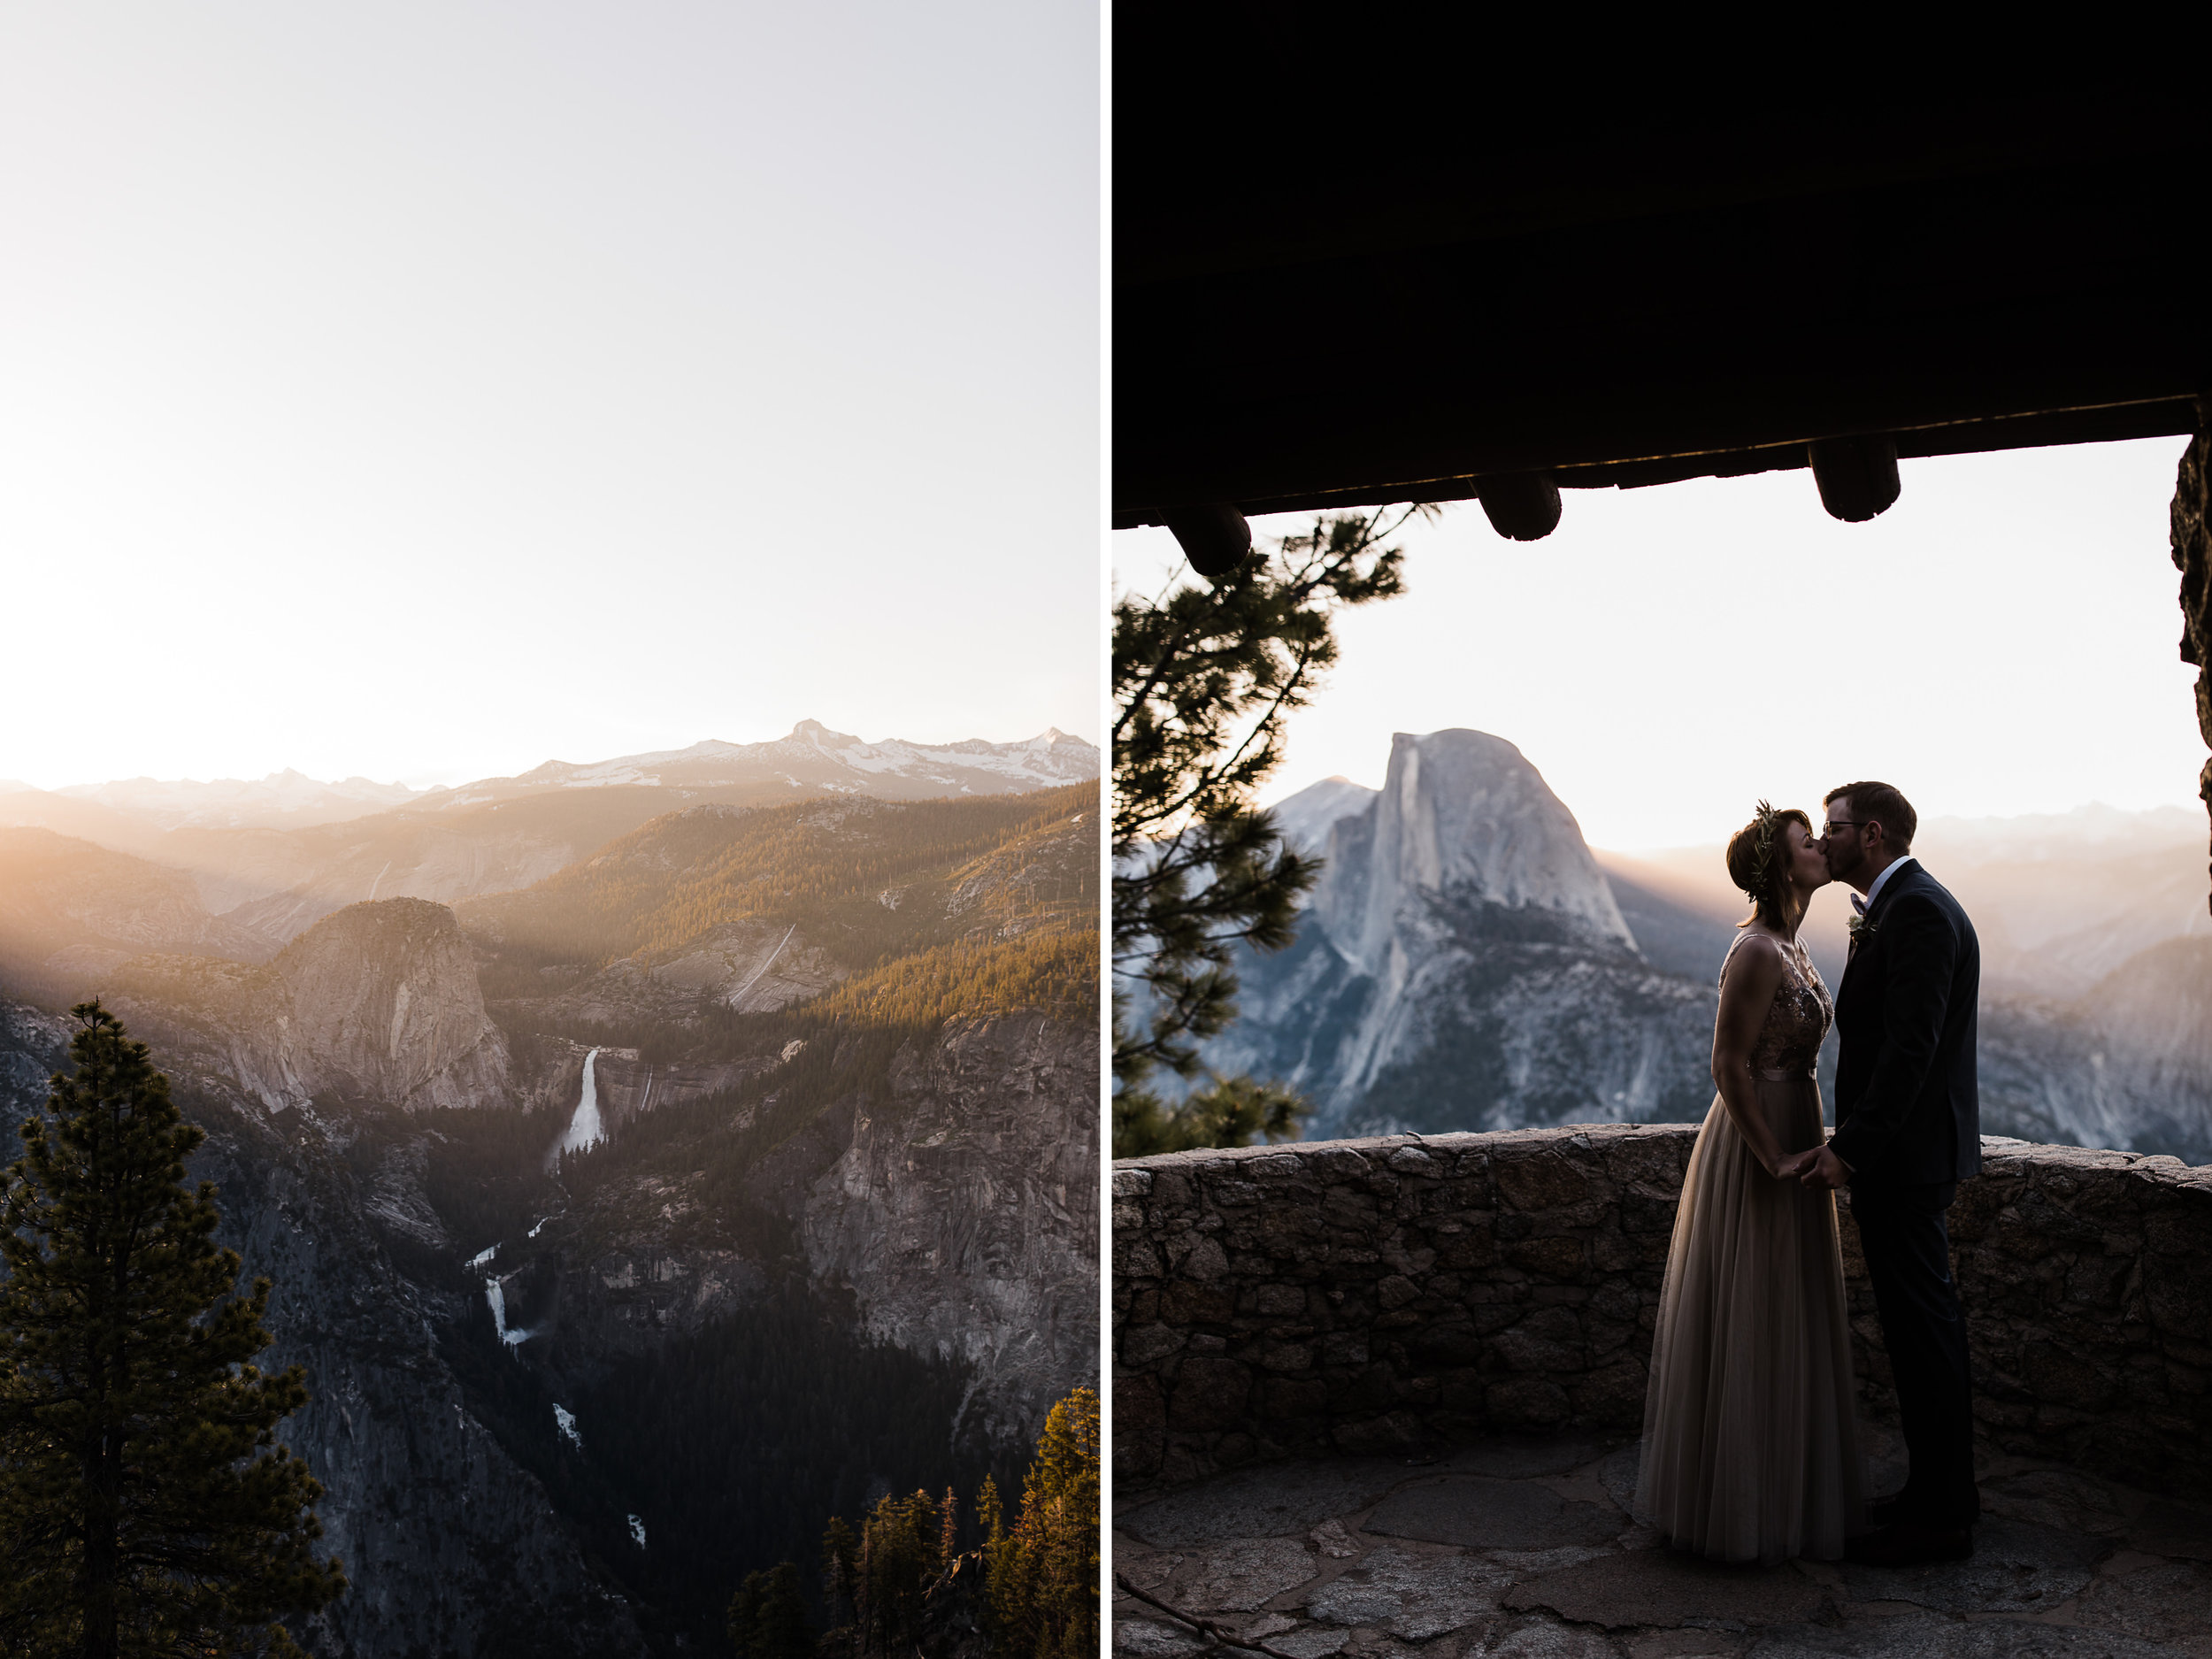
(1362, 1295)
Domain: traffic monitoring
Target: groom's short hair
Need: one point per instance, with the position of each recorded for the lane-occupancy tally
(1881, 802)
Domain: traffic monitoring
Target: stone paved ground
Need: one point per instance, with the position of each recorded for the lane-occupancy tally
(1526, 1548)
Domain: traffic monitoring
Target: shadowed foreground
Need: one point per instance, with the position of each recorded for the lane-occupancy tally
(1525, 1547)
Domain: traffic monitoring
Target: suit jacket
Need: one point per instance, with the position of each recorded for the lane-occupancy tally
(1908, 1107)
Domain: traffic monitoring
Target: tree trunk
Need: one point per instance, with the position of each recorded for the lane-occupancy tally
(102, 1553)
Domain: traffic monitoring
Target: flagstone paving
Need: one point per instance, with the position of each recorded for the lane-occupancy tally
(1525, 1549)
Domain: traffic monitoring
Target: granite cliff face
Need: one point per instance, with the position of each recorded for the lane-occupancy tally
(1462, 819)
(1463, 965)
(377, 1005)
(384, 1006)
(961, 1214)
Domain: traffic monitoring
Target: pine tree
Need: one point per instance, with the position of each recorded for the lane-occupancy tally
(990, 1513)
(839, 1566)
(898, 1563)
(1204, 679)
(145, 1507)
(768, 1615)
(1043, 1577)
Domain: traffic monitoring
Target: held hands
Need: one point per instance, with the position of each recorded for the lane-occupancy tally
(1818, 1168)
(1822, 1169)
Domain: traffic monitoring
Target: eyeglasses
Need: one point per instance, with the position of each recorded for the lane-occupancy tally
(1831, 826)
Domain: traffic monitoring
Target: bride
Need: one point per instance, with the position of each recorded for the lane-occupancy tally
(1750, 1450)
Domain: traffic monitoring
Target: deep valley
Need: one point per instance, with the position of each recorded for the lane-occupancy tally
(835, 1238)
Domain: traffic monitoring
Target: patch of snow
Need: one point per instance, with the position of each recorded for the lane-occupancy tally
(564, 1420)
(541, 1221)
(637, 1530)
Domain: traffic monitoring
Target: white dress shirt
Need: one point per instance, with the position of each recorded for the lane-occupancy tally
(1888, 869)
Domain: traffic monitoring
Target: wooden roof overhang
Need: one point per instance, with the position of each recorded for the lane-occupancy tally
(1408, 292)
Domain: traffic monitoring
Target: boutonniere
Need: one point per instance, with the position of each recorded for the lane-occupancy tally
(1862, 930)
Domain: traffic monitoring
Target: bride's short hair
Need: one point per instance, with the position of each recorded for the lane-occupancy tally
(1758, 856)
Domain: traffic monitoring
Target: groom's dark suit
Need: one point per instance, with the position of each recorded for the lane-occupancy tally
(1908, 1123)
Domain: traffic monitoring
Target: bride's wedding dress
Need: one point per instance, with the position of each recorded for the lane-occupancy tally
(1750, 1447)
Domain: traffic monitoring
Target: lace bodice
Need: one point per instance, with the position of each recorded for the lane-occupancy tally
(1789, 1041)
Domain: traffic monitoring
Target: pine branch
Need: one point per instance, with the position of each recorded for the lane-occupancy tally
(1221, 1633)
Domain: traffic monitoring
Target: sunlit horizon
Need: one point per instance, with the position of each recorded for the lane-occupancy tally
(1999, 643)
(423, 783)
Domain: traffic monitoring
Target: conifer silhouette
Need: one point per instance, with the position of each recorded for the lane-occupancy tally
(145, 1507)
(768, 1616)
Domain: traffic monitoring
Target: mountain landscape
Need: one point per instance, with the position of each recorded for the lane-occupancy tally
(1468, 961)
(265, 863)
(696, 1159)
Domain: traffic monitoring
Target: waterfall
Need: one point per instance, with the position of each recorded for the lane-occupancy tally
(585, 1128)
(496, 1296)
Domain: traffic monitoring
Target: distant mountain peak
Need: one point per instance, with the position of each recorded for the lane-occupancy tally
(1463, 963)
(814, 732)
(1460, 814)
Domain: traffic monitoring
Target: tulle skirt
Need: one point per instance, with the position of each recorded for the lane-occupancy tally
(1751, 1449)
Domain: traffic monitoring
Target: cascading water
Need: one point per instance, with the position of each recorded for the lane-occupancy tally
(495, 1297)
(585, 1128)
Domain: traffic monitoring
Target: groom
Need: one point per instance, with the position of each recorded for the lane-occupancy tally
(1907, 1130)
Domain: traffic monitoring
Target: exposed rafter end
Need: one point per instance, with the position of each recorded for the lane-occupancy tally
(1214, 539)
(1521, 506)
(1857, 476)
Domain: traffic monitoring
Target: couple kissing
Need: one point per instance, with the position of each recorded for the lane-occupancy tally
(1750, 1441)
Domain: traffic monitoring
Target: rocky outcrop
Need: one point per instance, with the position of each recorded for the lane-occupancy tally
(1463, 965)
(1364, 1295)
(1461, 817)
(377, 1005)
(382, 1005)
(961, 1213)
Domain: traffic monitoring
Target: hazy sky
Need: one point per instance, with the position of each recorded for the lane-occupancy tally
(2002, 640)
(425, 390)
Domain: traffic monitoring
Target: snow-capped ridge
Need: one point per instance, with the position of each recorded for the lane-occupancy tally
(813, 756)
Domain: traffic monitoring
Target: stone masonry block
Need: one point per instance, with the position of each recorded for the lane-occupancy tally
(1208, 1394)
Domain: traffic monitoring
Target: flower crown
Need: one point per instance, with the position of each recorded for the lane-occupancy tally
(1761, 886)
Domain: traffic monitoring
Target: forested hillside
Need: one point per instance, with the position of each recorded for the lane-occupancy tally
(920, 911)
(735, 1174)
